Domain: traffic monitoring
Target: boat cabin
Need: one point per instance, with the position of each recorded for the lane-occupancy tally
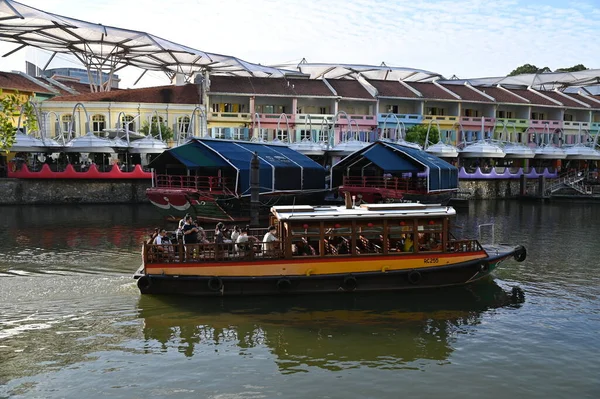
(304, 231)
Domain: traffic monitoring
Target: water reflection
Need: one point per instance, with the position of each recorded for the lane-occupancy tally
(388, 331)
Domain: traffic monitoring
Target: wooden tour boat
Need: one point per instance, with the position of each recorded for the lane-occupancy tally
(371, 247)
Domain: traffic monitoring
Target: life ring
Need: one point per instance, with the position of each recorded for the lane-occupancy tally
(484, 267)
(521, 254)
(144, 283)
(414, 277)
(215, 284)
(349, 283)
(284, 284)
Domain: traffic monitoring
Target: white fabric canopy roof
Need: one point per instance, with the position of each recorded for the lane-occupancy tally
(549, 80)
(110, 48)
(350, 71)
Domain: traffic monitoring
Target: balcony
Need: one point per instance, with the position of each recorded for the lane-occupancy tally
(243, 117)
(575, 125)
(540, 124)
(412, 119)
(516, 122)
(476, 121)
(595, 126)
(365, 120)
(315, 119)
(442, 119)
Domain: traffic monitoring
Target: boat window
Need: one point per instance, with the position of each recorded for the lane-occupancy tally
(305, 246)
(304, 229)
(401, 236)
(430, 234)
(338, 238)
(369, 238)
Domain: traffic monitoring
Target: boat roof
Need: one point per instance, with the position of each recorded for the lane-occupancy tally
(364, 211)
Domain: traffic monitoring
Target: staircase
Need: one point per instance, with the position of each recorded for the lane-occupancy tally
(573, 180)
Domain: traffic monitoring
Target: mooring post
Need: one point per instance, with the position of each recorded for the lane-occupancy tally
(522, 185)
(254, 190)
(542, 186)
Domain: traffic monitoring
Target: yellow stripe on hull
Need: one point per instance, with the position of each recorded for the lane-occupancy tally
(312, 266)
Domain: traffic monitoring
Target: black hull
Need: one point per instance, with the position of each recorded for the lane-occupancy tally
(458, 274)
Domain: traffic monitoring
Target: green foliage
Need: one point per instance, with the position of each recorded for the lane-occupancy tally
(528, 68)
(418, 133)
(575, 68)
(166, 131)
(11, 107)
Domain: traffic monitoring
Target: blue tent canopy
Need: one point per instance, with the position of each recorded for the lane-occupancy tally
(281, 169)
(395, 158)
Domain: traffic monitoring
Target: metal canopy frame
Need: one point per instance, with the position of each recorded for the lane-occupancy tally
(107, 49)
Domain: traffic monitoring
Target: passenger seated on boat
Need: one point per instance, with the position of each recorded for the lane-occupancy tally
(269, 241)
(302, 248)
(408, 244)
(242, 244)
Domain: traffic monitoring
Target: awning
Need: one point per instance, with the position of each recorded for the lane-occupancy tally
(441, 175)
(280, 168)
(388, 160)
(397, 159)
(195, 156)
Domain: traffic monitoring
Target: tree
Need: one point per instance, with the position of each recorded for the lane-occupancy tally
(528, 68)
(12, 105)
(165, 131)
(418, 133)
(575, 68)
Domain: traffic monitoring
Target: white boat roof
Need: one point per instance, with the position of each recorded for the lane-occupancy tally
(364, 211)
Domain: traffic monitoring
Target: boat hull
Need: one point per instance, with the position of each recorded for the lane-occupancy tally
(383, 280)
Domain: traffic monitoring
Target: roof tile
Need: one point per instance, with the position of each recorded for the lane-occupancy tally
(186, 94)
(467, 94)
(15, 81)
(392, 88)
(350, 89)
(429, 90)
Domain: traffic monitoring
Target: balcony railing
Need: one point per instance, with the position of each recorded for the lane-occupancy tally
(441, 118)
(404, 118)
(517, 122)
(576, 125)
(476, 120)
(541, 123)
(230, 116)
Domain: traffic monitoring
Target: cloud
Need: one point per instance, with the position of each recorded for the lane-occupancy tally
(469, 38)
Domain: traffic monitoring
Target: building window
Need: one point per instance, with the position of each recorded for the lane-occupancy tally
(538, 115)
(435, 111)
(268, 109)
(305, 135)
(392, 109)
(127, 122)
(215, 107)
(66, 121)
(98, 123)
(568, 117)
(183, 124)
(282, 135)
(322, 110)
(473, 113)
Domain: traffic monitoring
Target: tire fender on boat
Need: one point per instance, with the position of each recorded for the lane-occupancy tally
(521, 254)
(349, 283)
(215, 284)
(144, 283)
(484, 267)
(284, 284)
(414, 277)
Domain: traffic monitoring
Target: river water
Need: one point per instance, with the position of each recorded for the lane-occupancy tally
(73, 324)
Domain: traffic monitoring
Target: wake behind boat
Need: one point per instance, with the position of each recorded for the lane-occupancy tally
(316, 249)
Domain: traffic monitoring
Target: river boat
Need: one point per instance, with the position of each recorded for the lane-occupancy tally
(371, 247)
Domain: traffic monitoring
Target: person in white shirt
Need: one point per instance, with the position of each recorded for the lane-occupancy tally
(241, 243)
(235, 233)
(269, 241)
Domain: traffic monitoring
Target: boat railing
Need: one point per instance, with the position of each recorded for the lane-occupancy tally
(211, 252)
(388, 183)
(201, 183)
(464, 246)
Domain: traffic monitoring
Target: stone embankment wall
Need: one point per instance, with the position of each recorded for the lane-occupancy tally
(489, 189)
(26, 191)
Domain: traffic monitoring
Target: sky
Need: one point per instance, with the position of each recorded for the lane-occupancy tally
(465, 38)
